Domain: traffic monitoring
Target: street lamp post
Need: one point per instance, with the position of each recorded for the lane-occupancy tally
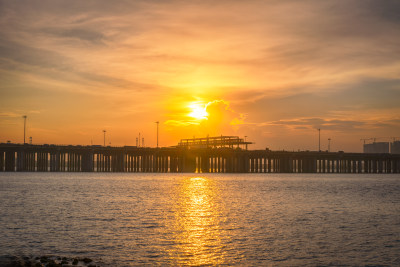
(319, 139)
(104, 132)
(329, 145)
(24, 126)
(157, 132)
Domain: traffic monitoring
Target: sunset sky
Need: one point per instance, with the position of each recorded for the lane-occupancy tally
(274, 71)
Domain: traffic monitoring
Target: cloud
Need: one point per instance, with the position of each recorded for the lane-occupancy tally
(311, 45)
(317, 123)
(179, 123)
(49, 65)
(222, 117)
(9, 115)
(368, 96)
(337, 125)
(86, 35)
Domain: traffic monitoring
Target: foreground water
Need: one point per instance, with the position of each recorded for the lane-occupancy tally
(196, 219)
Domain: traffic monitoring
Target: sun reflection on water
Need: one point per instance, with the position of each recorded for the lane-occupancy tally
(197, 224)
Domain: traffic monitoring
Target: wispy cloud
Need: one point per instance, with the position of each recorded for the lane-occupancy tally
(9, 115)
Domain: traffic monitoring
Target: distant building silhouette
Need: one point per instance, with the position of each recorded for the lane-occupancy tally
(377, 147)
(395, 147)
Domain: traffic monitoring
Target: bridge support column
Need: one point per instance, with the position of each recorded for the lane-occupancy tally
(87, 162)
(204, 162)
(396, 166)
(20, 161)
(174, 164)
(10, 161)
(166, 163)
(2, 161)
(246, 167)
(359, 166)
(380, 166)
(58, 161)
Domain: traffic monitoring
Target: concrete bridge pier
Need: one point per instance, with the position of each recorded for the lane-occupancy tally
(228, 164)
(244, 163)
(129, 163)
(87, 162)
(396, 166)
(2, 161)
(54, 162)
(388, 164)
(20, 161)
(204, 163)
(174, 164)
(69, 162)
(287, 165)
(252, 165)
(374, 166)
(160, 163)
(164, 163)
(212, 165)
(27, 162)
(189, 162)
(58, 161)
(10, 161)
(120, 164)
(367, 166)
(42, 161)
(98, 162)
(360, 164)
(155, 163)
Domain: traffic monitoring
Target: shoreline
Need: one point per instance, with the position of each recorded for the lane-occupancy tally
(45, 261)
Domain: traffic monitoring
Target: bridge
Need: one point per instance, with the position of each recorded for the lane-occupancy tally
(200, 159)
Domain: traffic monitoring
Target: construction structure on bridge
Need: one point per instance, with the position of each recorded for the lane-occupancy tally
(215, 142)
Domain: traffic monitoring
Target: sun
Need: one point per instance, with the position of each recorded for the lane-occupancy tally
(198, 111)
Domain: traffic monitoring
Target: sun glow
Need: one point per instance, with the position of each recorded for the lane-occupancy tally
(198, 111)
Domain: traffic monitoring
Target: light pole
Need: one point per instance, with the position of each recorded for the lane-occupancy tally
(157, 132)
(24, 126)
(319, 140)
(329, 145)
(104, 132)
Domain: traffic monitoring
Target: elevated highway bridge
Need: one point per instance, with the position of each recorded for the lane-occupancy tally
(190, 159)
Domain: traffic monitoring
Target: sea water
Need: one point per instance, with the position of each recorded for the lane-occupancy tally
(135, 219)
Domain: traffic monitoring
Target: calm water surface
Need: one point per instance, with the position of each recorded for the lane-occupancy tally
(196, 219)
